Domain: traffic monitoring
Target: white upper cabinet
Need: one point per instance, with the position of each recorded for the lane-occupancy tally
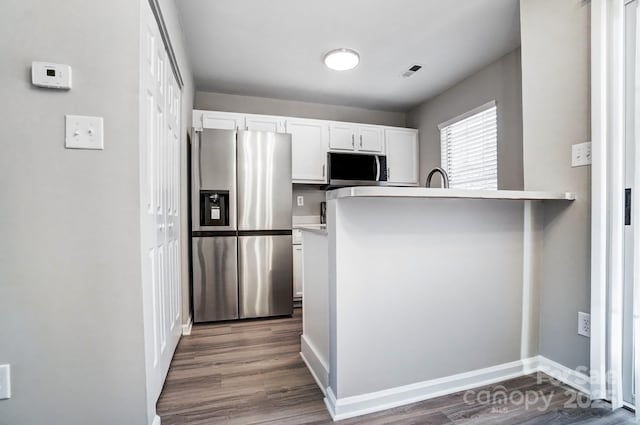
(342, 136)
(265, 123)
(222, 120)
(309, 142)
(356, 138)
(233, 121)
(370, 139)
(402, 156)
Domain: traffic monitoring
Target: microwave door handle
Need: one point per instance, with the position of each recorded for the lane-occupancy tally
(377, 168)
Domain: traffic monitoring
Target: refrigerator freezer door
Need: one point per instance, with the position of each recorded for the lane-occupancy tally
(264, 181)
(265, 276)
(213, 168)
(215, 278)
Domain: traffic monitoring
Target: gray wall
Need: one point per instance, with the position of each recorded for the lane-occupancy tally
(174, 27)
(70, 292)
(312, 198)
(267, 106)
(556, 114)
(70, 281)
(500, 81)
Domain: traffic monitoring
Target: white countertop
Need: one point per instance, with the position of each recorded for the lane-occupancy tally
(310, 226)
(423, 192)
(314, 229)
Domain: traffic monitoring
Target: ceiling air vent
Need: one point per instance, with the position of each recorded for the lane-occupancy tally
(409, 72)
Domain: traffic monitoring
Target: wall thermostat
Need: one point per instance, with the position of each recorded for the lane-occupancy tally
(51, 75)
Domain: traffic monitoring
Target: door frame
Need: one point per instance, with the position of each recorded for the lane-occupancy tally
(607, 209)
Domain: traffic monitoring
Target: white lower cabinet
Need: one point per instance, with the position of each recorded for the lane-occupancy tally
(402, 156)
(297, 271)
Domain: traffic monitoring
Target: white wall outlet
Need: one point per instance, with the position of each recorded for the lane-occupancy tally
(581, 154)
(83, 132)
(5, 381)
(300, 201)
(584, 324)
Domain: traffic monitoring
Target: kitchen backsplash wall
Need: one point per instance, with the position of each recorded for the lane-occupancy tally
(312, 198)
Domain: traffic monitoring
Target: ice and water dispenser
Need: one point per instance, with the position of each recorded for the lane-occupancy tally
(214, 208)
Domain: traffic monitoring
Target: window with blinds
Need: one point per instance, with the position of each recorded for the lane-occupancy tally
(469, 147)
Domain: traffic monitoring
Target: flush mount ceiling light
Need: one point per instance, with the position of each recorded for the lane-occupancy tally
(342, 59)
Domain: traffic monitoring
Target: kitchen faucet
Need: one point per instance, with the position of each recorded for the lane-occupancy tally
(443, 173)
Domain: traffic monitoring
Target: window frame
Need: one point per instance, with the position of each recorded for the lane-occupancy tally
(475, 111)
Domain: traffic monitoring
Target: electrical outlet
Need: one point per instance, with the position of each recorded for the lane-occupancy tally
(581, 154)
(5, 381)
(300, 200)
(584, 324)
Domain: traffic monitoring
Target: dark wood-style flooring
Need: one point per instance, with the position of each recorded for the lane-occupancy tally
(251, 372)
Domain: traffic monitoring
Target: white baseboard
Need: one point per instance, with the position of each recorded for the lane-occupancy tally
(186, 328)
(363, 404)
(156, 420)
(318, 368)
(349, 407)
(575, 379)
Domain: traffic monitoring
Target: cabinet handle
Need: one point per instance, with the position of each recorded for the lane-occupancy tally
(353, 141)
(361, 140)
(388, 172)
(323, 170)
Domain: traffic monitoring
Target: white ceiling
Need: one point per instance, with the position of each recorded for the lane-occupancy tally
(274, 48)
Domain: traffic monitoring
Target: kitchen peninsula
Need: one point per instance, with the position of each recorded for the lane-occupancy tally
(412, 293)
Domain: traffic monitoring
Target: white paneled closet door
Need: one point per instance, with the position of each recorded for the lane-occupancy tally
(160, 186)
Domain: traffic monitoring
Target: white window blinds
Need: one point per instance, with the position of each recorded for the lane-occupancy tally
(469, 149)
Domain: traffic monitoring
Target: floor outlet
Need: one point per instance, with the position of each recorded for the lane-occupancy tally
(584, 324)
(5, 381)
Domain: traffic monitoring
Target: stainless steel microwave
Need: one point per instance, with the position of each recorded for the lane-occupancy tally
(356, 169)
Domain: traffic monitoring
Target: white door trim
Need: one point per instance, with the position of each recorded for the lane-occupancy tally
(598, 197)
(616, 148)
(607, 233)
(635, 218)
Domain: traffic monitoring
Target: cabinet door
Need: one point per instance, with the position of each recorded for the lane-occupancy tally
(308, 150)
(297, 271)
(370, 139)
(222, 120)
(265, 123)
(402, 156)
(342, 137)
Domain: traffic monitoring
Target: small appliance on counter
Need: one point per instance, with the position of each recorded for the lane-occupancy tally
(241, 192)
(323, 212)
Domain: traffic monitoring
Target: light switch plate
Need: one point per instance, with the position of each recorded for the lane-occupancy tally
(5, 381)
(82, 132)
(581, 154)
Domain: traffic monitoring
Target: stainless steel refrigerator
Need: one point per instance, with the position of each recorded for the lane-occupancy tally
(242, 265)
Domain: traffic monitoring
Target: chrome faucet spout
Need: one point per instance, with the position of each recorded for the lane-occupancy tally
(443, 173)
